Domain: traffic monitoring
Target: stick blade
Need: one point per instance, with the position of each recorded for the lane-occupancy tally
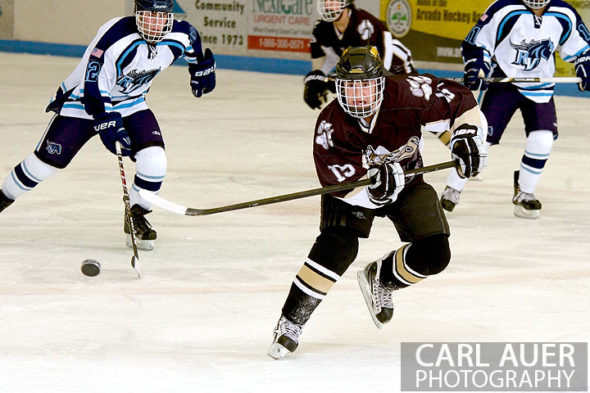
(163, 203)
(135, 265)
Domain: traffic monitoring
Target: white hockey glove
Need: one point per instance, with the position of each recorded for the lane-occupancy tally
(389, 180)
(468, 150)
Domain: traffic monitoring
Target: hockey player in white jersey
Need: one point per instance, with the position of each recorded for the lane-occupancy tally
(519, 38)
(105, 95)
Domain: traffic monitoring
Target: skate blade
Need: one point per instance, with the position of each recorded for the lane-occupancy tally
(146, 245)
(277, 351)
(520, 211)
(365, 288)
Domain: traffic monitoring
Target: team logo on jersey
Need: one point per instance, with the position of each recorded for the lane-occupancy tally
(420, 86)
(380, 155)
(136, 79)
(53, 148)
(399, 17)
(529, 54)
(365, 30)
(324, 135)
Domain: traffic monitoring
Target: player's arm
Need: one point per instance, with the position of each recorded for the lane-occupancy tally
(99, 76)
(317, 84)
(397, 58)
(576, 49)
(201, 66)
(477, 49)
(453, 107)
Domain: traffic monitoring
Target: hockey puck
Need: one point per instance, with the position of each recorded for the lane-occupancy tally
(90, 267)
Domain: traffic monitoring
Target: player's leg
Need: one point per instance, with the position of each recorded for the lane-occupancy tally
(420, 221)
(61, 141)
(151, 164)
(332, 253)
(541, 129)
(498, 104)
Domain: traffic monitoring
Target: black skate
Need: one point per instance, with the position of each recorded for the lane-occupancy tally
(4, 201)
(450, 198)
(285, 338)
(377, 295)
(144, 234)
(525, 204)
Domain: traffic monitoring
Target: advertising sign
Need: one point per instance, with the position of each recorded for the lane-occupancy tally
(434, 29)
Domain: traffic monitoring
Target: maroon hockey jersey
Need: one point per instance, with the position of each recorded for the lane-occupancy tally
(363, 29)
(343, 150)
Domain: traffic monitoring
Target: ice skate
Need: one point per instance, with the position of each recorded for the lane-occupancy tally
(525, 204)
(4, 201)
(450, 198)
(377, 295)
(477, 177)
(285, 338)
(144, 234)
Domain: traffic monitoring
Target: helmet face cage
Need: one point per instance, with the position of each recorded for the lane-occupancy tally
(536, 4)
(153, 26)
(360, 81)
(154, 19)
(330, 10)
(360, 98)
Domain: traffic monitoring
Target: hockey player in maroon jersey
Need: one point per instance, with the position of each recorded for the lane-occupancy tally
(343, 25)
(374, 130)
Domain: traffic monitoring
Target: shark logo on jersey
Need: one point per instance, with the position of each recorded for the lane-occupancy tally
(529, 54)
(134, 79)
(53, 148)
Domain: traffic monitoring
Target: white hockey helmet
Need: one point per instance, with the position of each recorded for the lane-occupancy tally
(536, 4)
(330, 10)
(154, 19)
(360, 81)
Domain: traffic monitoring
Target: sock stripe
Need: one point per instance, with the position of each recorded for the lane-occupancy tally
(402, 271)
(18, 183)
(25, 180)
(308, 291)
(314, 280)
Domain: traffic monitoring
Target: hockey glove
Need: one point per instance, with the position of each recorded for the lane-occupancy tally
(468, 150)
(583, 71)
(109, 126)
(203, 74)
(475, 71)
(316, 89)
(388, 181)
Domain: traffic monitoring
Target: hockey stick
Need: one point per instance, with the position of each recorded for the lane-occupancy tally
(189, 211)
(128, 218)
(557, 79)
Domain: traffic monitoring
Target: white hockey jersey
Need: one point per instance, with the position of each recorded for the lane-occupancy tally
(516, 43)
(118, 68)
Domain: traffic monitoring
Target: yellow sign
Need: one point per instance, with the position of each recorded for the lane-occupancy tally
(435, 29)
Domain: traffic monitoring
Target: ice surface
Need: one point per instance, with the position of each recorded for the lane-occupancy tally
(201, 318)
